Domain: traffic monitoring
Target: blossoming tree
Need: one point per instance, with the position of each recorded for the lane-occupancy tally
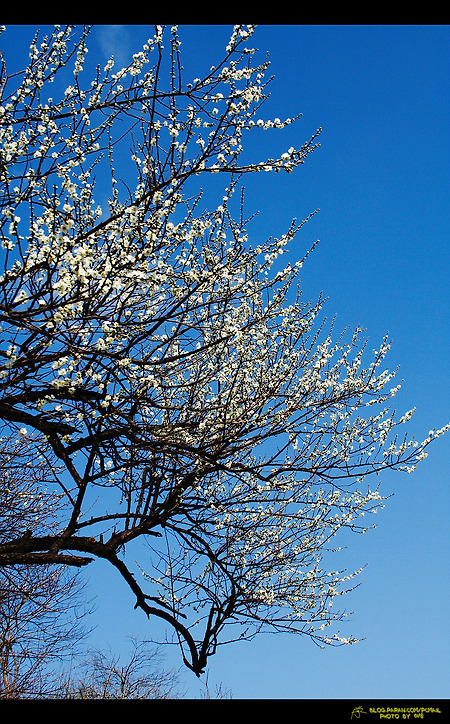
(166, 360)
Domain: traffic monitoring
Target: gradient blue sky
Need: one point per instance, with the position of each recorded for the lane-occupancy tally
(380, 179)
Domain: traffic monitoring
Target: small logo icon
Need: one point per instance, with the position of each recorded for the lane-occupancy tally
(357, 711)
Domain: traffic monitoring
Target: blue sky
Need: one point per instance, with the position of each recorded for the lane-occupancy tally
(380, 179)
